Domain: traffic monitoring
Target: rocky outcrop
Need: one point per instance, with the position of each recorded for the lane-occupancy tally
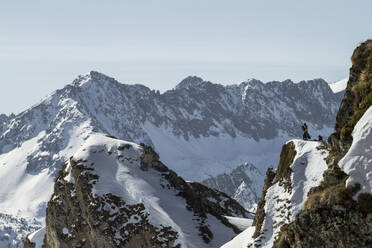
(4, 121)
(332, 216)
(219, 203)
(282, 176)
(79, 217)
(260, 213)
(357, 99)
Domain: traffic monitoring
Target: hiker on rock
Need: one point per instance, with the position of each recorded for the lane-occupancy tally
(306, 135)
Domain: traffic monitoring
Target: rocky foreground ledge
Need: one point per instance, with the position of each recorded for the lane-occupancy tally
(113, 193)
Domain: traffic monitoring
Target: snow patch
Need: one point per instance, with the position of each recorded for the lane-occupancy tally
(38, 237)
(339, 85)
(241, 223)
(357, 162)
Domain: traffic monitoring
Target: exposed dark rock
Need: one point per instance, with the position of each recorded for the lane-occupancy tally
(89, 218)
(283, 173)
(219, 204)
(260, 213)
(78, 218)
(357, 98)
(335, 227)
(28, 244)
(332, 218)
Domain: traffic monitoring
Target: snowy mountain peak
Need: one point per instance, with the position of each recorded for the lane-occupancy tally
(253, 81)
(190, 81)
(92, 76)
(250, 83)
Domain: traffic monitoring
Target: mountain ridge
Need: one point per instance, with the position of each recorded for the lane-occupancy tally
(199, 131)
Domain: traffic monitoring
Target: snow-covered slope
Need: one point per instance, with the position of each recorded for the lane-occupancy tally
(104, 169)
(200, 129)
(13, 230)
(357, 162)
(286, 196)
(339, 86)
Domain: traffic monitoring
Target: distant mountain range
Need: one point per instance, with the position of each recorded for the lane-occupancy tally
(200, 129)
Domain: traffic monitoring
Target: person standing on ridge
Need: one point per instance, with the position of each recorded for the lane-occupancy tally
(306, 135)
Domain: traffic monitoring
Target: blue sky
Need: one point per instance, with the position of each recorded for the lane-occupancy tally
(44, 45)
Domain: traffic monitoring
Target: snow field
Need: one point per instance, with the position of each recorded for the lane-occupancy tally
(357, 162)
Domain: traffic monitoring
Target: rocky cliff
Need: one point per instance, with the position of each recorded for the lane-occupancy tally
(113, 193)
(321, 194)
(4, 121)
(300, 168)
(338, 213)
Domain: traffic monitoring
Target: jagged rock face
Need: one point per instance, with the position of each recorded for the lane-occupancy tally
(339, 223)
(357, 97)
(219, 202)
(4, 121)
(282, 177)
(80, 219)
(92, 208)
(244, 184)
(333, 215)
(301, 108)
(260, 213)
(300, 168)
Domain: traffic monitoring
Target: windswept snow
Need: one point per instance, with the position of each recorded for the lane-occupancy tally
(339, 85)
(21, 193)
(281, 205)
(357, 162)
(242, 240)
(241, 223)
(38, 237)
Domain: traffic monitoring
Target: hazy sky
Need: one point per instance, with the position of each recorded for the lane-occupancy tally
(44, 45)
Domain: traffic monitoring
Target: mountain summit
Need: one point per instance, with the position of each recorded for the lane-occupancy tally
(190, 81)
